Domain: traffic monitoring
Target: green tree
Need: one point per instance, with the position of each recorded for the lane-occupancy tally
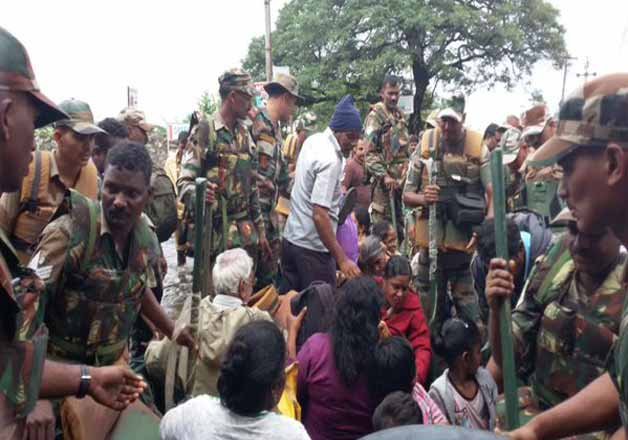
(335, 47)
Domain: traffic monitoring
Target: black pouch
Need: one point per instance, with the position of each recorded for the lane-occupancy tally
(468, 209)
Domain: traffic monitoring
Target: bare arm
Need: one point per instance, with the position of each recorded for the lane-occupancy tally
(593, 409)
(152, 310)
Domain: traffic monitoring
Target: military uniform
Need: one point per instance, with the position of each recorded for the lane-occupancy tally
(460, 173)
(387, 134)
(230, 161)
(23, 337)
(562, 334)
(25, 213)
(272, 172)
(94, 294)
(23, 341)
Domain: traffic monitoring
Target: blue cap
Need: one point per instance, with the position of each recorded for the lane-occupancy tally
(346, 117)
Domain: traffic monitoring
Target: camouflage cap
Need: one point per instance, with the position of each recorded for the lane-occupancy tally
(80, 118)
(510, 144)
(135, 118)
(594, 115)
(16, 75)
(286, 82)
(237, 79)
(534, 120)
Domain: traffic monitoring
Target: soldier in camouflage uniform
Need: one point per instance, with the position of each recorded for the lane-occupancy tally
(273, 177)
(97, 261)
(230, 163)
(515, 153)
(464, 169)
(23, 336)
(386, 131)
(591, 146)
(567, 320)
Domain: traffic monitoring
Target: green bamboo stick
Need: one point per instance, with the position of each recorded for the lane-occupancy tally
(199, 217)
(505, 326)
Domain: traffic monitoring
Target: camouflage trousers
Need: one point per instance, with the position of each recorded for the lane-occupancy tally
(381, 209)
(529, 408)
(455, 277)
(268, 268)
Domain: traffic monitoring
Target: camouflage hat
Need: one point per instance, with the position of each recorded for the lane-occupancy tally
(237, 79)
(510, 144)
(286, 82)
(16, 75)
(80, 118)
(534, 120)
(135, 118)
(594, 115)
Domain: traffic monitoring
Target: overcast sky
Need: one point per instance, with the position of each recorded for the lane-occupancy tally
(172, 51)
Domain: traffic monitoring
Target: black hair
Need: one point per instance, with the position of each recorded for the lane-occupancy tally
(391, 80)
(397, 409)
(398, 265)
(252, 368)
(363, 217)
(454, 338)
(490, 131)
(354, 332)
(114, 128)
(394, 367)
(131, 156)
(381, 229)
(183, 137)
(486, 239)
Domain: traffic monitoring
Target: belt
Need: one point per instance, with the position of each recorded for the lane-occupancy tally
(102, 355)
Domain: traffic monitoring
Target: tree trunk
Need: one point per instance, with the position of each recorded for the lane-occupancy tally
(421, 82)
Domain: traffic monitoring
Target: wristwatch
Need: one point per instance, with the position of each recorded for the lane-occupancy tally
(86, 379)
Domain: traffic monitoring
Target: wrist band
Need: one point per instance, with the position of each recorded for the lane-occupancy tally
(86, 379)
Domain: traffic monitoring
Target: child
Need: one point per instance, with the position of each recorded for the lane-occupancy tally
(397, 409)
(387, 235)
(404, 315)
(394, 370)
(466, 392)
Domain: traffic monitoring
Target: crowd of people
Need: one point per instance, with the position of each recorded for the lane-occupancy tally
(347, 280)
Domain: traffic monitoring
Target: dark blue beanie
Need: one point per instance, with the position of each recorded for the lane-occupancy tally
(346, 117)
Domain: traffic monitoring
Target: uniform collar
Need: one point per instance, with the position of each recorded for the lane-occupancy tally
(54, 169)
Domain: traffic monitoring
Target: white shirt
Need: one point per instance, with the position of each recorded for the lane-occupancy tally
(204, 418)
(317, 182)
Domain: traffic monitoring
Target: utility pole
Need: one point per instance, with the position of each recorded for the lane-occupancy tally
(269, 47)
(565, 68)
(586, 74)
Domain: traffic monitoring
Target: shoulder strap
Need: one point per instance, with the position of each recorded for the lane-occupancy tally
(36, 177)
(85, 211)
(39, 173)
(473, 144)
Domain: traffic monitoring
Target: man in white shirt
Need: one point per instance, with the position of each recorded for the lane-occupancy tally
(310, 250)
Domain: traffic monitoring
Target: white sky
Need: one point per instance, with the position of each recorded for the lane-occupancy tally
(173, 51)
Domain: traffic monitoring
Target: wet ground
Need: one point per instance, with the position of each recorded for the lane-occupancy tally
(178, 280)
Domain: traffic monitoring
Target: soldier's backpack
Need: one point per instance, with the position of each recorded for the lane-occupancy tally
(162, 210)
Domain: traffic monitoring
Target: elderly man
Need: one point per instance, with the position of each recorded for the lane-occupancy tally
(219, 319)
(310, 250)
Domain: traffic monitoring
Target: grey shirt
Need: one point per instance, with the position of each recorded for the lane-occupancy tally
(317, 182)
(204, 418)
